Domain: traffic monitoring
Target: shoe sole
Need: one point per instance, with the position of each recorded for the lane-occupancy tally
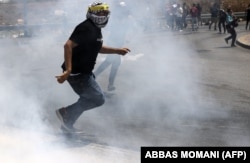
(66, 131)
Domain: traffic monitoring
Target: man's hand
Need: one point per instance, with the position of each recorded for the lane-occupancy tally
(61, 78)
(123, 51)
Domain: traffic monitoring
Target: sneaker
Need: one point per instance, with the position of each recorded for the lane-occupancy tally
(65, 126)
(71, 130)
(61, 114)
(111, 88)
(226, 40)
(233, 46)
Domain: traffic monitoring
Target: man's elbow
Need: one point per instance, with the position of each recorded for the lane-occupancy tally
(67, 45)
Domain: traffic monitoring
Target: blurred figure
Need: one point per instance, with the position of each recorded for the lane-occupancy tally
(168, 14)
(179, 13)
(214, 10)
(193, 14)
(80, 53)
(173, 12)
(185, 14)
(222, 20)
(117, 38)
(247, 13)
(231, 23)
(199, 8)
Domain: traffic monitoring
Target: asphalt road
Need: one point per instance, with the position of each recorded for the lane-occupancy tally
(187, 89)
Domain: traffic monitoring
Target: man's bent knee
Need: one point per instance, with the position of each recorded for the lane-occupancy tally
(99, 100)
(90, 103)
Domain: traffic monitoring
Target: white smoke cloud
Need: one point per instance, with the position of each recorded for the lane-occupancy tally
(159, 91)
(30, 95)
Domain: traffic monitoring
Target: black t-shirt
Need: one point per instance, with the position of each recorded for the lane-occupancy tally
(222, 15)
(89, 39)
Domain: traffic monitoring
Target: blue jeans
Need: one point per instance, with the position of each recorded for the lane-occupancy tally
(194, 23)
(90, 95)
(115, 62)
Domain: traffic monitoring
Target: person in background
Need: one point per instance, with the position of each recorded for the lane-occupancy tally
(168, 15)
(116, 38)
(185, 14)
(231, 23)
(214, 10)
(173, 15)
(199, 8)
(179, 14)
(193, 13)
(247, 14)
(222, 20)
(80, 53)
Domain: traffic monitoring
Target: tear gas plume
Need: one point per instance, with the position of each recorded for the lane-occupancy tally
(157, 90)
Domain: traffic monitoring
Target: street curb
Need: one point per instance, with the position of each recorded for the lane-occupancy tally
(244, 41)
